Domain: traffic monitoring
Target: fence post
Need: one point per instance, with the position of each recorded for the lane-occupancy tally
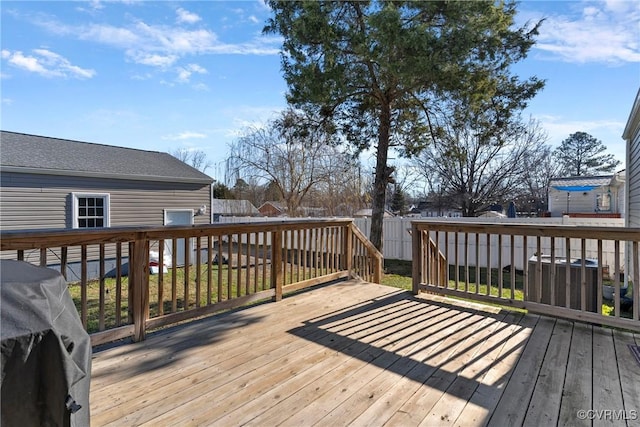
(139, 285)
(417, 257)
(276, 264)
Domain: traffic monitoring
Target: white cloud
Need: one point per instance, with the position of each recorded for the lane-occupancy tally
(621, 6)
(157, 45)
(184, 73)
(605, 32)
(184, 136)
(7, 101)
(152, 59)
(96, 4)
(184, 16)
(244, 117)
(608, 131)
(263, 5)
(163, 40)
(201, 87)
(197, 68)
(106, 34)
(561, 128)
(47, 64)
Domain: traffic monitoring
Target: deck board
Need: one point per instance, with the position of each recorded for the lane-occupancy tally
(361, 354)
(544, 407)
(578, 386)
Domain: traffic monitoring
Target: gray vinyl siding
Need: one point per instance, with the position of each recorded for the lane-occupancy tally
(578, 201)
(633, 180)
(33, 201)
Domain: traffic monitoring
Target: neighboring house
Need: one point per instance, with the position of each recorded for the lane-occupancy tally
(366, 213)
(276, 209)
(56, 183)
(441, 213)
(632, 136)
(588, 196)
(272, 209)
(230, 207)
(433, 210)
(619, 185)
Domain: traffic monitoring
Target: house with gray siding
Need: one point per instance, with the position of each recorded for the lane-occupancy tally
(631, 135)
(588, 196)
(57, 183)
(52, 183)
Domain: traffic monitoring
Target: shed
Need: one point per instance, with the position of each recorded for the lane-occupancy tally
(231, 207)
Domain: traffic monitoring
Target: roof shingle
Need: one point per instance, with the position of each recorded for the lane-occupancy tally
(40, 154)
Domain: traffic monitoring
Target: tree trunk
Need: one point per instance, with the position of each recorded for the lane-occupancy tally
(381, 177)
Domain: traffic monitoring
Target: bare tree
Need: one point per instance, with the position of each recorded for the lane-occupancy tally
(475, 167)
(533, 195)
(404, 180)
(344, 192)
(291, 153)
(195, 158)
(249, 189)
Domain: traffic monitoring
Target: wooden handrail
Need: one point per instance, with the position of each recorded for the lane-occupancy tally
(372, 251)
(562, 283)
(244, 262)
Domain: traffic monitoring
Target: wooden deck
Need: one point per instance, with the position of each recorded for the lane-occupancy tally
(365, 355)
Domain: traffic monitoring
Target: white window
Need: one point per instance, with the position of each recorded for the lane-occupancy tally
(90, 210)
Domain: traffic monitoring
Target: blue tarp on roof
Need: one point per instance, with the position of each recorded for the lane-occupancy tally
(576, 187)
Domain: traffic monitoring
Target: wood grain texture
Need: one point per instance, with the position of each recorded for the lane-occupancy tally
(361, 354)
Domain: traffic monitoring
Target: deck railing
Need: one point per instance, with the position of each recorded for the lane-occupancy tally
(590, 274)
(128, 280)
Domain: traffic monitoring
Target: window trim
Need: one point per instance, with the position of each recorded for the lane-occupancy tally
(75, 206)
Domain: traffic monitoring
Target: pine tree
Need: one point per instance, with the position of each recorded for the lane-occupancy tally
(582, 155)
(373, 68)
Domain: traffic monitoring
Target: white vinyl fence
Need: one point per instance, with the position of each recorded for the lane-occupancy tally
(397, 239)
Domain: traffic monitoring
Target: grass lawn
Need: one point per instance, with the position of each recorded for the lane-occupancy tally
(398, 274)
(224, 285)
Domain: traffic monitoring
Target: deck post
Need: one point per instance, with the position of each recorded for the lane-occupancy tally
(139, 285)
(347, 248)
(276, 264)
(417, 256)
(377, 272)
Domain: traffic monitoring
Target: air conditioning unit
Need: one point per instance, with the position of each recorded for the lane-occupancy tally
(559, 285)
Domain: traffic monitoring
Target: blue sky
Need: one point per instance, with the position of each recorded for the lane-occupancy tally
(162, 75)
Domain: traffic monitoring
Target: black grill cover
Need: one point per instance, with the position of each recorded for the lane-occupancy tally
(46, 353)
